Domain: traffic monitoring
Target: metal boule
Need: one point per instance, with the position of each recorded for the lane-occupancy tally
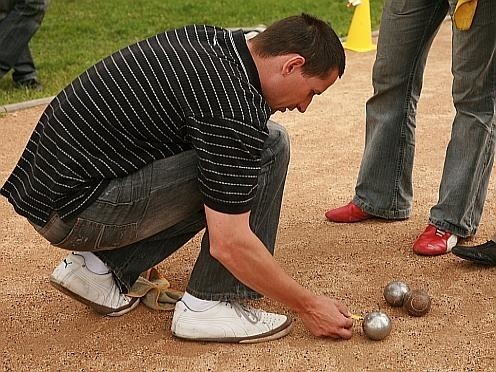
(377, 325)
(395, 292)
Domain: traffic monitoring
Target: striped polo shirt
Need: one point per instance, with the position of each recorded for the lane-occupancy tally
(195, 87)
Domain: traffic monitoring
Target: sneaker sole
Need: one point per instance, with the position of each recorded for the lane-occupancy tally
(98, 308)
(279, 332)
(274, 336)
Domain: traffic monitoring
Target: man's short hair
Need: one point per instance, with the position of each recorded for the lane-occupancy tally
(307, 36)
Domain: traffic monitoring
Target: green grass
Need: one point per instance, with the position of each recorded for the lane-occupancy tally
(75, 34)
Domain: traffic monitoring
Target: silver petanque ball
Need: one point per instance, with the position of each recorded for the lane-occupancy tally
(377, 325)
(395, 292)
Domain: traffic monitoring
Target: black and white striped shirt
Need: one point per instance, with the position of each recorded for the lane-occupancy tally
(192, 88)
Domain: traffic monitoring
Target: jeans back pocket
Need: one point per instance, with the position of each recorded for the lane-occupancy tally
(93, 236)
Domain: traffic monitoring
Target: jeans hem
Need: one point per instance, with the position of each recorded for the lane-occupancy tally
(25, 78)
(454, 229)
(227, 296)
(118, 276)
(388, 214)
(124, 286)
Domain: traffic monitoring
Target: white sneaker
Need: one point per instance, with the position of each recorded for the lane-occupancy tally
(98, 291)
(229, 322)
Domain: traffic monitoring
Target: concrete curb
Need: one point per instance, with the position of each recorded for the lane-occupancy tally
(26, 104)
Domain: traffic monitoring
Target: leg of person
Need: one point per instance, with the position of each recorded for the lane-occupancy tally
(226, 319)
(470, 153)
(137, 222)
(384, 184)
(25, 71)
(17, 28)
(264, 221)
(6, 7)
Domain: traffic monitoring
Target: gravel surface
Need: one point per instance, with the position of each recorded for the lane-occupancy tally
(43, 330)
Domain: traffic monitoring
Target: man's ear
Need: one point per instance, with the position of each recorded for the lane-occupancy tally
(294, 62)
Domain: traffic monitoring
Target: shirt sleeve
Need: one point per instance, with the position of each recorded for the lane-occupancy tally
(229, 161)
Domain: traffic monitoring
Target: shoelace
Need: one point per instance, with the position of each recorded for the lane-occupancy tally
(248, 312)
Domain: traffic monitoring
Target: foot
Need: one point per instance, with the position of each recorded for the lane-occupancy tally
(98, 291)
(228, 322)
(348, 213)
(31, 84)
(433, 242)
(484, 254)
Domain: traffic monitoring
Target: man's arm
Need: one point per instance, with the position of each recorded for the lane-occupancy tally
(240, 251)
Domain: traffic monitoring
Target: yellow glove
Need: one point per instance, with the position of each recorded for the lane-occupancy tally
(464, 14)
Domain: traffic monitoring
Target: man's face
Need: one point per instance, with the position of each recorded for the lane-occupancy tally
(296, 91)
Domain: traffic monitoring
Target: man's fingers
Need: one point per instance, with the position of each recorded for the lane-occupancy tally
(347, 322)
(345, 333)
(343, 309)
(341, 333)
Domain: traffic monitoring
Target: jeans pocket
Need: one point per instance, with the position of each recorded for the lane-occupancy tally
(129, 189)
(88, 235)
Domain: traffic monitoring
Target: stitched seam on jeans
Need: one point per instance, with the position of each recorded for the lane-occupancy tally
(400, 165)
(487, 160)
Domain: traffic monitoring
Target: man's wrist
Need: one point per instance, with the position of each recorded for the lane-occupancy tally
(304, 302)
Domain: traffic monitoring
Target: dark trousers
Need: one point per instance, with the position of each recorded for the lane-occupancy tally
(19, 21)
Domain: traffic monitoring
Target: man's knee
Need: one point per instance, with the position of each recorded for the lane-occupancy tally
(278, 141)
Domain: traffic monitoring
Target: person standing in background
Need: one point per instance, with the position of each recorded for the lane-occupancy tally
(19, 21)
(384, 188)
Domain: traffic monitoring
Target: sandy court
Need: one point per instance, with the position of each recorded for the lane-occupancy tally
(43, 330)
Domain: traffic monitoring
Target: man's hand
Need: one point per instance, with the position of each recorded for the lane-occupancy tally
(326, 317)
(236, 247)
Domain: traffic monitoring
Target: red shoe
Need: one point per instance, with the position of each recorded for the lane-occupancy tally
(348, 213)
(433, 242)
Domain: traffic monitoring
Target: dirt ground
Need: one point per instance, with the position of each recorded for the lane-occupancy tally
(43, 330)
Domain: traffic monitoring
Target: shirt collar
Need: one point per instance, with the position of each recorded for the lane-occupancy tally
(244, 52)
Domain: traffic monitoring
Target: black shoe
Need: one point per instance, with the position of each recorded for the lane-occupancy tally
(32, 84)
(484, 254)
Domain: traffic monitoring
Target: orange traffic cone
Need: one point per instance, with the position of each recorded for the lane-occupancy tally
(359, 37)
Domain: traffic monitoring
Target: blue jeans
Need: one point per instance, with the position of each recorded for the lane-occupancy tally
(19, 21)
(141, 219)
(384, 185)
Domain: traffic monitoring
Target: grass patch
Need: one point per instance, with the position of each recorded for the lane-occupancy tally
(75, 34)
